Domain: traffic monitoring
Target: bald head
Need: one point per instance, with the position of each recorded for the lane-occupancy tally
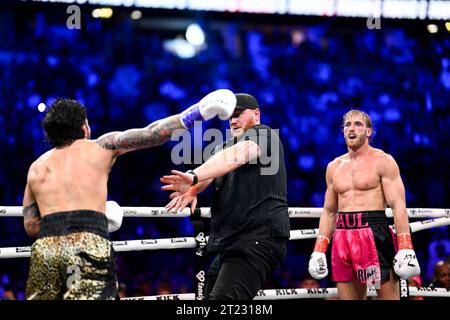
(442, 274)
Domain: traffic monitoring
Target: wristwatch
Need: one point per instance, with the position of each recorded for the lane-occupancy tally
(195, 181)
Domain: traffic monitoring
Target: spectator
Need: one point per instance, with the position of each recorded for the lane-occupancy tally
(441, 276)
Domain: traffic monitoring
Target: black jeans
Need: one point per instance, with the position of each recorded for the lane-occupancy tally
(239, 274)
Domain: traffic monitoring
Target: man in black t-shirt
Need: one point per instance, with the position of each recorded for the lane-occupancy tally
(249, 211)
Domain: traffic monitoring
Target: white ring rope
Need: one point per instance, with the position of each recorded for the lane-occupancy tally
(127, 245)
(412, 212)
(301, 293)
(415, 226)
(442, 215)
(16, 211)
(189, 242)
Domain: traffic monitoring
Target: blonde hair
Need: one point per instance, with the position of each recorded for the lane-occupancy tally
(355, 112)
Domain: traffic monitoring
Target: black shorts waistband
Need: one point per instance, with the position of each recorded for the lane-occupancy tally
(361, 219)
(67, 222)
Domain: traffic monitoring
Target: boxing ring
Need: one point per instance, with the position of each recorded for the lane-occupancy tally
(435, 218)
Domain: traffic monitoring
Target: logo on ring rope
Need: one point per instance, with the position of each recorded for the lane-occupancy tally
(308, 231)
(314, 291)
(261, 293)
(157, 212)
(168, 297)
(299, 211)
(118, 243)
(151, 241)
(427, 289)
(285, 292)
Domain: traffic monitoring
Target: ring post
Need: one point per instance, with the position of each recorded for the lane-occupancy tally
(199, 281)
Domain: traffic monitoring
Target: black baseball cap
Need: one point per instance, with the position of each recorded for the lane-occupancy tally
(245, 101)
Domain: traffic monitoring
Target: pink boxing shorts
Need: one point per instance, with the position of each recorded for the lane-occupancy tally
(363, 247)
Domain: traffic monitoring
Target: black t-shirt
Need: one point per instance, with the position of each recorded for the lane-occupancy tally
(250, 202)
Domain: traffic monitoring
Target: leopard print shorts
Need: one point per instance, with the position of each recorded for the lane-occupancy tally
(78, 265)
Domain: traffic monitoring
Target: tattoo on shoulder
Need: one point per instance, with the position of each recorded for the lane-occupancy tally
(31, 211)
(108, 142)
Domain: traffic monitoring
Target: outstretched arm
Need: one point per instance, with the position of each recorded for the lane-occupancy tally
(228, 160)
(31, 214)
(217, 103)
(153, 135)
(218, 165)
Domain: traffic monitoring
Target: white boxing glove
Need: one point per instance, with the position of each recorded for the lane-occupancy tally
(406, 264)
(317, 265)
(405, 261)
(114, 214)
(220, 103)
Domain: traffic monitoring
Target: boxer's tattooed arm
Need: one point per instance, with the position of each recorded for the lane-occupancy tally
(153, 135)
(31, 219)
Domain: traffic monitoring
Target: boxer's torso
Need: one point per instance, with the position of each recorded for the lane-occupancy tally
(71, 178)
(358, 182)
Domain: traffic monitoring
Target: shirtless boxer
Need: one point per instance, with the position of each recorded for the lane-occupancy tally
(360, 184)
(65, 197)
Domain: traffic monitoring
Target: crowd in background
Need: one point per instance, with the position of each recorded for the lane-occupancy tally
(305, 78)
